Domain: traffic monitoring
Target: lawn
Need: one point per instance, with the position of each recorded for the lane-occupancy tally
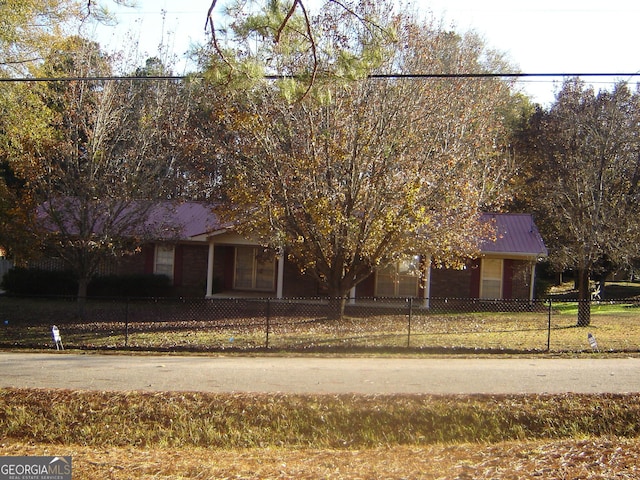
(616, 326)
(138, 435)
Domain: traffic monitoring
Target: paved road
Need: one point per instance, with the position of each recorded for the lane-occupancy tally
(319, 375)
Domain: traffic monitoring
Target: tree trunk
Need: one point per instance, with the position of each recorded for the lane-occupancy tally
(337, 301)
(584, 298)
(83, 284)
(336, 308)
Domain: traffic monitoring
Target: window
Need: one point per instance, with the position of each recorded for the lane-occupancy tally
(399, 279)
(491, 278)
(252, 271)
(164, 260)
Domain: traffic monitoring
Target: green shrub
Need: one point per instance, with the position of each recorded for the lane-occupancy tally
(35, 281)
(141, 285)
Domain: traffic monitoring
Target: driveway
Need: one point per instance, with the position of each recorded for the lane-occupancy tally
(319, 375)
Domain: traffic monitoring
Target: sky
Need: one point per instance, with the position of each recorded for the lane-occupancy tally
(541, 36)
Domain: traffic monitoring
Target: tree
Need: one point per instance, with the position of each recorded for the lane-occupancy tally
(28, 31)
(353, 173)
(109, 159)
(28, 28)
(285, 15)
(583, 175)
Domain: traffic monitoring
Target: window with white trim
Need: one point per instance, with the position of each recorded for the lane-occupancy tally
(253, 271)
(491, 278)
(399, 279)
(164, 261)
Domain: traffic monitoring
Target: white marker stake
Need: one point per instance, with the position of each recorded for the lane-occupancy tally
(57, 339)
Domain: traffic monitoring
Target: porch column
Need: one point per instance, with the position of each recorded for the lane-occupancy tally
(532, 283)
(280, 279)
(210, 270)
(426, 290)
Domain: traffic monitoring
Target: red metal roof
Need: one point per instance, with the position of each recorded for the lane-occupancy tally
(166, 220)
(184, 220)
(516, 234)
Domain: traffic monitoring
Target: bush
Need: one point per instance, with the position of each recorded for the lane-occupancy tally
(143, 285)
(34, 281)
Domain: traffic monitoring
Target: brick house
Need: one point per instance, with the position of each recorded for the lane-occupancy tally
(204, 257)
(505, 268)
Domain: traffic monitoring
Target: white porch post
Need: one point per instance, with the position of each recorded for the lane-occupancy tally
(210, 270)
(352, 295)
(532, 284)
(280, 279)
(426, 290)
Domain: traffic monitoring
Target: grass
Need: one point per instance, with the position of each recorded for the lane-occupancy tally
(199, 435)
(601, 458)
(616, 326)
(230, 325)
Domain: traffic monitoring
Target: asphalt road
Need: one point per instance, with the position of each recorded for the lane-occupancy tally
(319, 375)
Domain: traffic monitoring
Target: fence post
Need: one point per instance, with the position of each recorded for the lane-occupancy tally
(549, 329)
(409, 322)
(268, 322)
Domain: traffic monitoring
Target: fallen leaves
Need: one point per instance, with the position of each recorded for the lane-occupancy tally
(598, 458)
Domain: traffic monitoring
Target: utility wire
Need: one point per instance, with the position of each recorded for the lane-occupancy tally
(373, 76)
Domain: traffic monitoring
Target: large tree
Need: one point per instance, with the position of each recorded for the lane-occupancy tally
(110, 157)
(29, 30)
(351, 173)
(583, 179)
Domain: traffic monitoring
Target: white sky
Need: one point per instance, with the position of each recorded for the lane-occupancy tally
(541, 36)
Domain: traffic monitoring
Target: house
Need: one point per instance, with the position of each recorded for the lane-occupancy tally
(205, 257)
(505, 268)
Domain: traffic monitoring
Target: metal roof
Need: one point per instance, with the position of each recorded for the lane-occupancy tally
(184, 220)
(515, 234)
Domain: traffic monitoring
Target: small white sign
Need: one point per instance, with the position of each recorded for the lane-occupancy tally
(592, 342)
(57, 339)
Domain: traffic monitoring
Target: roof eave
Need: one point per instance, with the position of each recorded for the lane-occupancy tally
(515, 255)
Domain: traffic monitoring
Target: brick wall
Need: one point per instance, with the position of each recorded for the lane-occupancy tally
(297, 284)
(450, 283)
(194, 265)
(521, 286)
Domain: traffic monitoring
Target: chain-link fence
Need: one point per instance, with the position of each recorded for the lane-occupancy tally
(319, 324)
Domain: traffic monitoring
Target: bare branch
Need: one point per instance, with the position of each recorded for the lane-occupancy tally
(209, 21)
(288, 17)
(312, 41)
(362, 20)
(214, 38)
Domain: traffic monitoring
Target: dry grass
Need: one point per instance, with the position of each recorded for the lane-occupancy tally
(617, 328)
(179, 419)
(175, 435)
(243, 327)
(600, 458)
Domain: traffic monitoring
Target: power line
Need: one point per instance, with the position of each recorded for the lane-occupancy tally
(372, 76)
